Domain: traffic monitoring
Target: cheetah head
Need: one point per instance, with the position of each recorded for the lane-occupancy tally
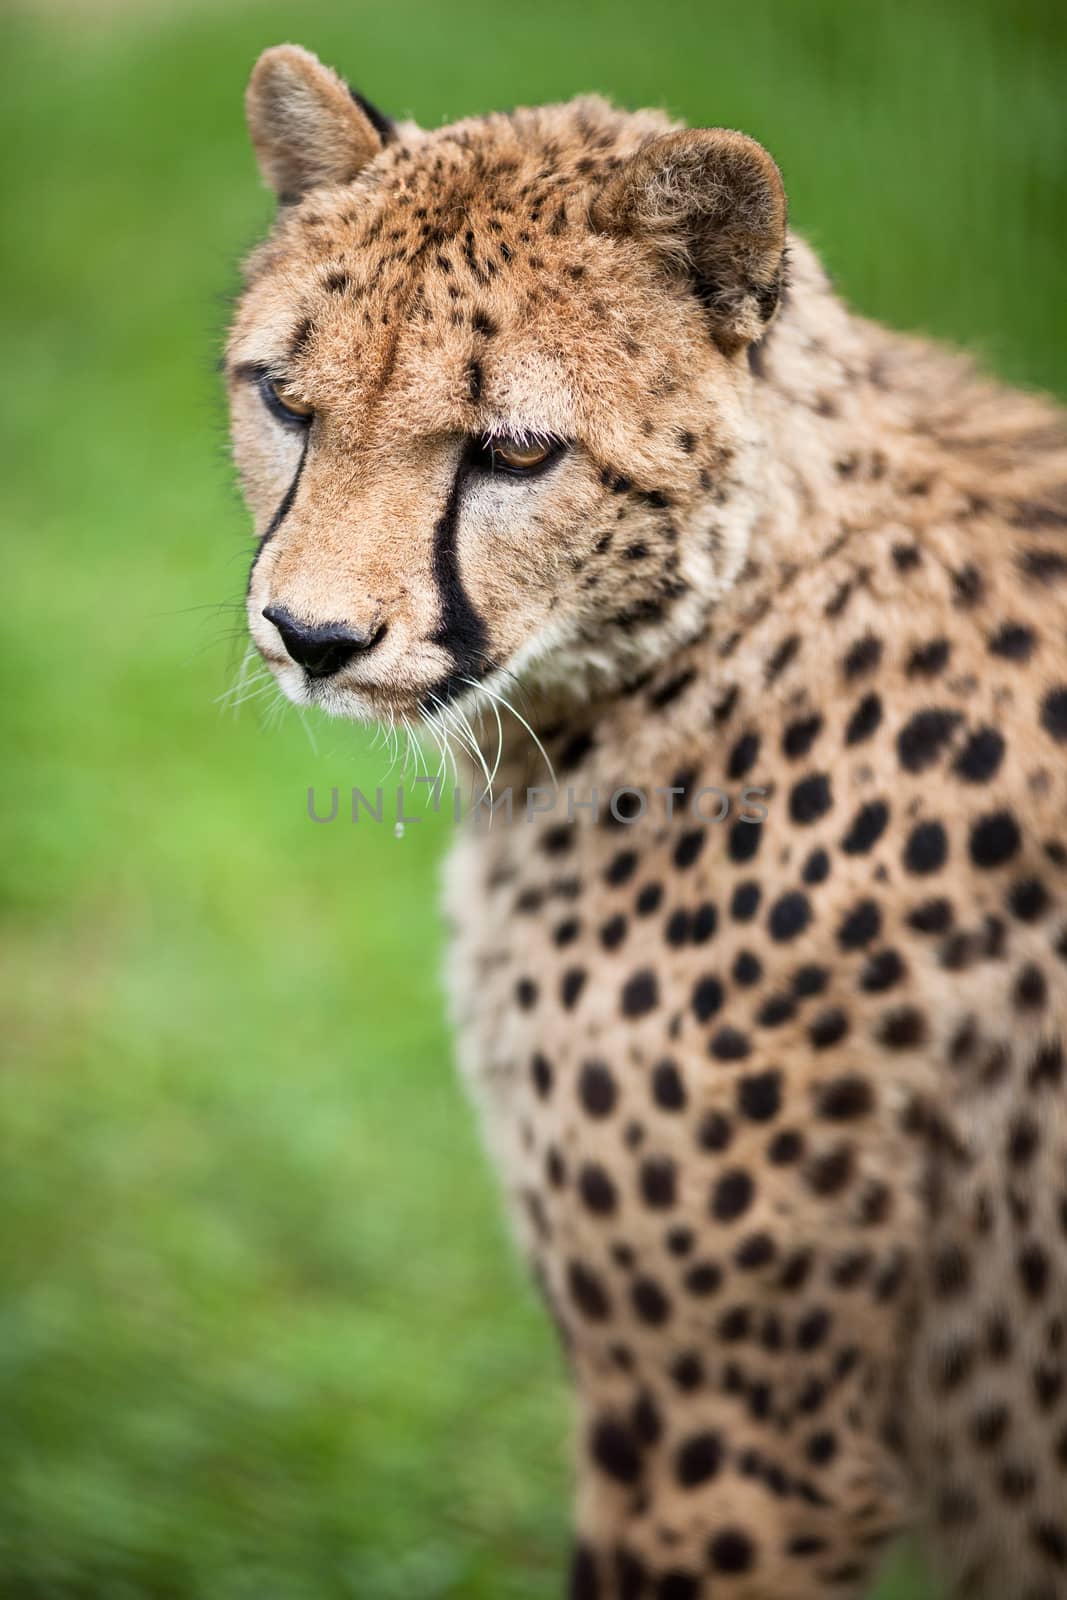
(490, 400)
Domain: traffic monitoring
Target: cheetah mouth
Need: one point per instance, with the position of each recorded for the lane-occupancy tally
(388, 702)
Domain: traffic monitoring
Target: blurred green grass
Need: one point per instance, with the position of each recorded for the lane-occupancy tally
(261, 1330)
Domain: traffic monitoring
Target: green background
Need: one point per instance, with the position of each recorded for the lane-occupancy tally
(261, 1332)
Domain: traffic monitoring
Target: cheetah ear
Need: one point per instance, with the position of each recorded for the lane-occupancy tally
(711, 202)
(307, 126)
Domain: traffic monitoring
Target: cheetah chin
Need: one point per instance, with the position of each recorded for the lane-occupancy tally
(548, 414)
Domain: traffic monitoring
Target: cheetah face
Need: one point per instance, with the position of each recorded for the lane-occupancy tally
(489, 394)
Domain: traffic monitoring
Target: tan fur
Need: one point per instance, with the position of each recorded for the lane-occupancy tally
(784, 1138)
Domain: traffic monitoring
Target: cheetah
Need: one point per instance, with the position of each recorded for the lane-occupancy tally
(550, 411)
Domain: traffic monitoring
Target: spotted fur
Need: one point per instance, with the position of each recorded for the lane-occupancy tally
(778, 1105)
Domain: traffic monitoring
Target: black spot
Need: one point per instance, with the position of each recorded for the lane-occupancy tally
(596, 1089)
(708, 996)
(703, 1278)
(729, 1044)
(649, 899)
(731, 1551)
(744, 839)
(687, 1372)
(994, 840)
(1043, 566)
(789, 916)
(732, 1195)
(866, 828)
(614, 1449)
(583, 1584)
(755, 1252)
(932, 916)
(1013, 641)
(799, 736)
(668, 1090)
(621, 868)
(1050, 1538)
(844, 1098)
(865, 720)
(649, 1302)
(980, 757)
(759, 1096)
(698, 1460)
(816, 867)
(863, 656)
(689, 847)
(743, 755)
(1023, 1141)
(587, 1292)
(809, 980)
(542, 1075)
(675, 687)
(922, 740)
(927, 660)
(926, 849)
(640, 994)
(828, 1173)
(677, 1585)
(1028, 900)
(821, 1448)
(903, 1028)
(714, 1132)
(782, 657)
(747, 969)
(658, 1183)
(785, 1148)
(968, 585)
(705, 921)
(1031, 988)
(777, 1010)
(613, 932)
(862, 924)
(526, 993)
(1033, 1267)
(828, 1028)
(810, 799)
(597, 1190)
(1054, 713)
(679, 1241)
(882, 971)
(571, 985)
(745, 901)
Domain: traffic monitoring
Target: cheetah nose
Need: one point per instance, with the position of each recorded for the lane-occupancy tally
(322, 648)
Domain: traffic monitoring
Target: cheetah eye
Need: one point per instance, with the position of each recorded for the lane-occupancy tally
(521, 458)
(283, 403)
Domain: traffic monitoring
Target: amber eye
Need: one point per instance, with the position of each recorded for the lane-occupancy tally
(506, 453)
(279, 398)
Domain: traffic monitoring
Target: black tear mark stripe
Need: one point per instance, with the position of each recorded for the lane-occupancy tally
(460, 630)
(289, 496)
(284, 508)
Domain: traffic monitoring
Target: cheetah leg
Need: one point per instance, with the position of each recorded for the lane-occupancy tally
(703, 1500)
(988, 1404)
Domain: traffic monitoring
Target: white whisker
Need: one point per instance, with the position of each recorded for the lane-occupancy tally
(499, 699)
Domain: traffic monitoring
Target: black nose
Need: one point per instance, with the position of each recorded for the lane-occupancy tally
(321, 648)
